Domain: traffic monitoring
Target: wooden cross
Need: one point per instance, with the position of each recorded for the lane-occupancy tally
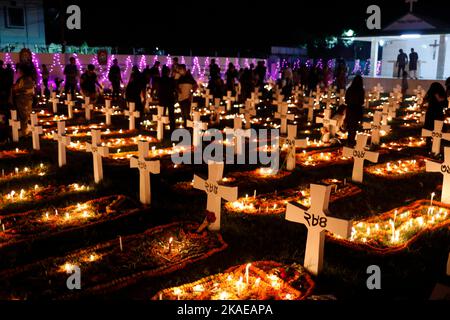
(310, 106)
(87, 109)
(63, 141)
(317, 222)
(15, 126)
(436, 135)
(161, 120)
(35, 131)
(238, 134)
(292, 143)
(54, 100)
(215, 191)
(378, 89)
(359, 154)
(132, 114)
(217, 109)
(444, 169)
(283, 115)
(98, 152)
(145, 168)
(249, 111)
(434, 46)
(375, 127)
(327, 122)
(207, 97)
(70, 104)
(229, 99)
(108, 113)
(197, 129)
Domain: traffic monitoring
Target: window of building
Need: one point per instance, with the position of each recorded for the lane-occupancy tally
(15, 17)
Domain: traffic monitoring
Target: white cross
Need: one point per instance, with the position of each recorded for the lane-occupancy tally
(207, 97)
(378, 89)
(87, 110)
(132, 114)
(327, 122)
(35, 131)
(197, 129)
(54, 100)
(293, 143)
(444, 169)
(387, 114)
(317, 94)
(161, 120)
(249, 111)
(437, 136)
(98, 152)
(215, 191)
(108, 113)
(329, 101)
(238, 134)
(310, 106)
(63, 141)
(70, 104)
(15, 126)
(279, 101)
(87, 100)
(359, 154)
(375, 127)
(229, 99)
(145, 168)
(277, 93)
(254, 98)
(217, 109)
(283, 115)
(108, 103)
(317, 222)
(296, 93)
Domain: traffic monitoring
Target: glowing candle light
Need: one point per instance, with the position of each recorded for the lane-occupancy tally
(170, 244)
(120, 243)
(247, 269)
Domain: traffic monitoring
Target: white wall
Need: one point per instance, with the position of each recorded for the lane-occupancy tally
(34, 31)
(428, 67)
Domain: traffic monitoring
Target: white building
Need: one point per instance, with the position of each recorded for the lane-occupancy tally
(22, 23)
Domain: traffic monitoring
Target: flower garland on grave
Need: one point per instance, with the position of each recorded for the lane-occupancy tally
(39, 193)
(36, 224)
(118, 263)
(398, 169)
(12, 154)
(261, 280)
(275, 203)
(18, 173)
(397, 229)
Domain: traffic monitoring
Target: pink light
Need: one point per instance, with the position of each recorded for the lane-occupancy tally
(9, 60)
(36, 65)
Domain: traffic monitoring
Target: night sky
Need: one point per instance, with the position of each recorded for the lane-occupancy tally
(223, 26)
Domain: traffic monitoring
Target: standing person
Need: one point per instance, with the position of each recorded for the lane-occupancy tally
(260, 71)
(214, 76)
(185, 86)
(135, 89)
(230, 76)
(167, 95)
(354, 98)
(413, 59)
(88, 83)
(436, 99)
(4, 91)
(402, 61)
(155, 78)
(174, 73)
(45, 76)
(71, 72)
(23, 94)
(115, 77)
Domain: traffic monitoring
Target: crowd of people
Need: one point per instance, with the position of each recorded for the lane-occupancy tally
(176, 85)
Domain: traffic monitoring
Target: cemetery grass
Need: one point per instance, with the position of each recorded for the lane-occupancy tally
(410, 274)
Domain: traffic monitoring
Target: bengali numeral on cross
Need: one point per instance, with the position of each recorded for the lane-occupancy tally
(314, 220)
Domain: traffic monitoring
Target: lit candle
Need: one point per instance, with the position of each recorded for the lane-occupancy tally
(120, 243)
(247, 268)
(254, 194)
(431, 201)
(170, 244)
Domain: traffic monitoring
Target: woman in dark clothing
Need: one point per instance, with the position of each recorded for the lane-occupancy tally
(135, 89)
(436, 99)
(354, 98)
(166, 89)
